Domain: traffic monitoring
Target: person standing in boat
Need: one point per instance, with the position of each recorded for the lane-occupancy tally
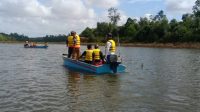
(88, 54)
(76, 42)
(70, 44)
(97, 55)
(110, 47)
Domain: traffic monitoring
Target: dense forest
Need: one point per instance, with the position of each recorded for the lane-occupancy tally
(157, 28)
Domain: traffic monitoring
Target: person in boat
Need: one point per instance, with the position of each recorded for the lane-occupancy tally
(109, 48)
(88, 54)
(45, 44)
(31, 44)
(97, 55)
(70, 44)
(26, 44)
(34, 44)
(76, 42)
(73, 43)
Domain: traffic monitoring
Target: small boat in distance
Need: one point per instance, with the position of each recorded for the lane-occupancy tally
(100, 69)
(33, 45)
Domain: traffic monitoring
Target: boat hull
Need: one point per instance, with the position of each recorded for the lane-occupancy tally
(35, 46)
(101, 69)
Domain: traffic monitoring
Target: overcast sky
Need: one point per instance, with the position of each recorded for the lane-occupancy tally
(51, 17)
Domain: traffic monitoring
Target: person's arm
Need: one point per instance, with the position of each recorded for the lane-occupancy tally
(75, 40)
(83, 54)
(93, 55)
(67, 41)
(101, 56)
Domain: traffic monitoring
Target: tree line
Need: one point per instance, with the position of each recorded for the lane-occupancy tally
(22, 37)
(13, 37)
(156, 28)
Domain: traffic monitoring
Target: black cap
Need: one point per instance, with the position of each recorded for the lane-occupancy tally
(73, 32)
(109, 35)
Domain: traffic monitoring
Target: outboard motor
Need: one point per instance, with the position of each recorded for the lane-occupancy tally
(114, 63)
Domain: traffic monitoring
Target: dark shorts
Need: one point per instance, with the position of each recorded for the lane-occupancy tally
(108, 59)
(70, 51)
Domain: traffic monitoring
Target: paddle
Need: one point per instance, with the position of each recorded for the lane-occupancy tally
(64, 54)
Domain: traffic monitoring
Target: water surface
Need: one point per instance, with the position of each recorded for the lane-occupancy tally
(156, 80)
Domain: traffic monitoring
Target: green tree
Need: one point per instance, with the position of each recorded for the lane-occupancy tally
(113, 15)
(196, 8)
(89, 34)
(160, 16)
(102, 29)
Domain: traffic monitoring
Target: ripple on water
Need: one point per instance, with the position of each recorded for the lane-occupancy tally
(157, 80)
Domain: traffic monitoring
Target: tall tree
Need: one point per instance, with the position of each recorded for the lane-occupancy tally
(113, 15)
(160, 16)
(196, 8)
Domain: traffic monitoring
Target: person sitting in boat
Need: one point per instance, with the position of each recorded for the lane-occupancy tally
(45, 44)
(109, 48)
(97, 55)
(34, 44)
(26, 44)
(88, 54)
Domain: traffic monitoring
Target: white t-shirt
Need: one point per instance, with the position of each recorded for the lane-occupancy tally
(107, 47)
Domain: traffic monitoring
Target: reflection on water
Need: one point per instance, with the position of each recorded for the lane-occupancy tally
(157, 80)
(89, 92)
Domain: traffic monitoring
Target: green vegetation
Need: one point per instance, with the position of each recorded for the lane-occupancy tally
(49, 38)
(4, 37)
(13, 37)
(156, 29)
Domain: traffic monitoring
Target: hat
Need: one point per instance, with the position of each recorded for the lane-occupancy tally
(109, 35)
(73, 32)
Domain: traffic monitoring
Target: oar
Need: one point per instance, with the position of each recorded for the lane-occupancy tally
(64, 54)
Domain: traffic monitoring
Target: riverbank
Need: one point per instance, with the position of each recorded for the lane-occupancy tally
(156, 45)
(151, 45)
(163, 45)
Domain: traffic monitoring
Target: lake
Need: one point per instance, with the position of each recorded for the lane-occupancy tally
(156, 80)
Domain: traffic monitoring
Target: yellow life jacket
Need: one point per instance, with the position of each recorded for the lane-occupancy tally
(96, 54)
(70, 41)
(88, 56)
(78, 42)
(112, 47)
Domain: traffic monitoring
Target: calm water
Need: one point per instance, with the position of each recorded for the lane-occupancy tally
(157, 80)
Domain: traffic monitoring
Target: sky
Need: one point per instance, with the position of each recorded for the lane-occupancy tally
(37, 18)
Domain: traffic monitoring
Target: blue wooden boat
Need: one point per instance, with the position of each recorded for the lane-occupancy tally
(35, 46)
(100, 69)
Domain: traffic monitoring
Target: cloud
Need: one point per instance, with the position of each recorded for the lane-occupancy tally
(39, 17)
(179, 6)
(148, 16)
(135, 1)
(102, 3)
(33, 18)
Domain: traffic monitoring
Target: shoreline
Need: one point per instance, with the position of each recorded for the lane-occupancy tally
(164, 45)
(148, 45)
